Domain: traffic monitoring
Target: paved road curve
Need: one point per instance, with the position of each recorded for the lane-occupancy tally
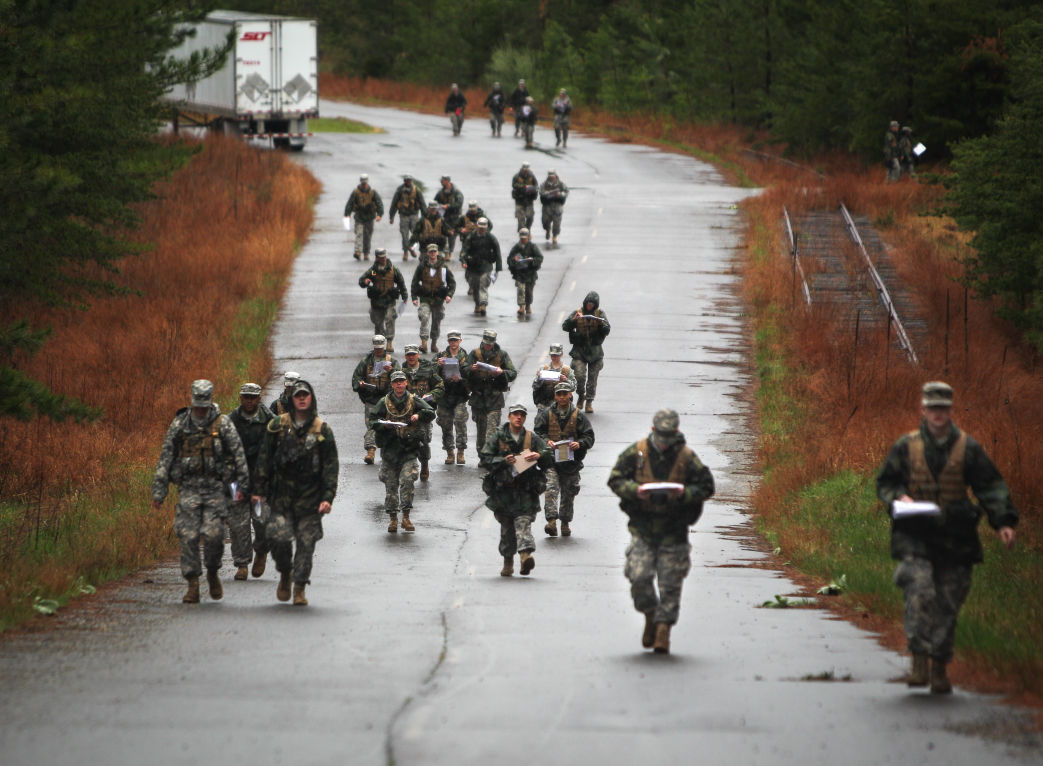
(414, 650)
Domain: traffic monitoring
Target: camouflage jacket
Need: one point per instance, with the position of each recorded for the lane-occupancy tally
(300, 467)
(468, 222)
(505, 492)
(953, 536)
(377, 387)
(543, 391)
(395, 285)
(418, 291)
(399, 444)
(524, 262)
(481, 254)
(424, 381)
(524, 186)
(452, 202)
(454, 391)
(280, 404)
(365, 210)
(584, 435)
(587, 335)
(664, 522)
(251, 430)
(204, 457)
(553, 192)
(487, 389)
(401, 203)
(890, 147)
(430, 229)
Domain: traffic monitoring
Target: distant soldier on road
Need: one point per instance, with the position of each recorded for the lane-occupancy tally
(496, 102)
(524, 263)
(490, 372)
(250, 419)
(423, 380)
(451, 204)
(892, 156)
(517, 101)
(940, 464)
(587, 328)
(202, 454)
(659, 521)
(480, 256)
(432, 289)
(545, 382)
(408, 203)
(371, 381)
(553, 193)
(524, 191)
(299, 479)
(569, 435)
(385, 286)
(451, 409)
(529, 116)
(562, 107)
(365, 204)
(512, 491)
(455, 105)
(284, 401)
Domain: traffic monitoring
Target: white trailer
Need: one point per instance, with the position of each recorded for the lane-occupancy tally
(269, 85)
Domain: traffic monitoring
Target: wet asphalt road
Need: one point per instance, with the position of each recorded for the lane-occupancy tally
(414, 650)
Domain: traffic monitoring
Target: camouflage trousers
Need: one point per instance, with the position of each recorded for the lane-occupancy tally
(524, 213)
(200, 516)
(552, 217)
(524, 290)
(383, 319)
(486, 422)
(450, 419)
(894, 170)
(515, 532)
(430, 316)
(363, 235)
(286, 528)
(646, 562)
(562, 489)
(587, 377)
(480, 287)
(406, 223)
(369, 438)
(562, 123)
(399, 481)
(933, 596)
(240, 521)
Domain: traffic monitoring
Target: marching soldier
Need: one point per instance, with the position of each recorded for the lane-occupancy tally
(365, 204)
(371, 381)
(384, 285)
(553, 193)
(423, 380)
(432, 289)
(407, 203)
(524, 191)
(432, 229)
(284, 402)
(524, 263)
(451, 203)
(480, 256)
(451, 409)
(544, 384)
(250, 419)
(587, 328)
(569, 435)
(489, 374)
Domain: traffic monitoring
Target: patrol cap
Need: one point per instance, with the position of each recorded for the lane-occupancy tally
(562, 91)
(489, 336)
(364, 177)
(432, 204)
(290, 377)
(454, 335)
(249, 389)
(521, 82)
(407, 178)
(937, 393)
(483, 222)
(552, 172)
(906, 129)
(526, 165)
(446, 177)
(398, 375)
(556, 348)
(472, 205)
(523, 232)
(894, 123)
(381, 252)
(379, 341)
(302, 385)
(432, 248)
(202, 393)
(518, 407)
(528, 99)
(666, 421)
(563, 386)
(496, 85)
(455, 85)
(412, 348)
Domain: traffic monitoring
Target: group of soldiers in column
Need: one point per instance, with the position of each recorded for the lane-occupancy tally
(522, 104)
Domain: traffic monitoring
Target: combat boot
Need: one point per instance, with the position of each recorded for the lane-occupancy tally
(521, 311)
(940, 683)
(460, 457)
(589, 406)
(579, 403)
(566, 530)
(260, 562)
(425, 471)
(481, 310)
(434, 347)
(298, 595)
(648, 637)
(370, 452)
(392, 523)
(528, 563)
(241, 573)
(407, 525)
(661, 645)
(423, 345)
(528, 308)
(508, 566)
(551, 528)
(282, 590)
(918, 673)
(192, 594)
(358, 256)
(390, 347)
(214, 584)
(365, 256)
(450, 457)
(554, 241)
(405, 255)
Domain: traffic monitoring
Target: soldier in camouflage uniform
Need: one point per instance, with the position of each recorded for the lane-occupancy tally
(553, 193)
(659, 521)
(283, 402)
(451, 410)
(513, 497)
(939, 463)
(384, 285)
(496, 102)
(431, 289)
(202, 455)
(250, 419)
(892, 156)
(422, 379)
(542, 388)
(517, 103)
(298, 477)
(431, 229)
(371, 381)
(489, 374)
(524, 191)
(407, 203)
(906, 156)
(467, 224)
(556, 424)
(524, 263)
(451, 203)
(367, 207)
(400, 447)
(562, 108)
(587, 330)
(480, 256)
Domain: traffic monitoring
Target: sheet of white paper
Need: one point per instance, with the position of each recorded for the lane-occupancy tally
(661, 486)
(919, 149)
(550, 375)
(902, 509)
(451, 367)
(395, 423)
(521, 465)
(379, 367)
(485, 366)
(347, 223)
(562, 451)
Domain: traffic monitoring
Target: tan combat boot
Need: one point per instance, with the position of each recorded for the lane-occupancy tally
(407, 525)
(192, 594)
(241, 573)
(566, 530)
(551, 528)
(589, 406)
(940, 683)
(390, 348)
(528, 308)
(392, 523)
(423, 345)
(358, 256)
(282, 590)
(370, 453)
(521, 311)
(214, 584)
(579, 403)
(298, 595)
(260, 562)
(528, 563)
(508, 566)
(425, 470)
(450, 457)
(460, 457)
(661, 645)
(918, 673)
(648, 637)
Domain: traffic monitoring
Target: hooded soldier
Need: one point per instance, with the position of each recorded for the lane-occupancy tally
(587, 328)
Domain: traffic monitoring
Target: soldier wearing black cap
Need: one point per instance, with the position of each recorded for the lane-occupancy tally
(480, 256)
(937, 544)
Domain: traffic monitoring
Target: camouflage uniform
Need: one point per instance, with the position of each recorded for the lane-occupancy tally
(366, 206)
(553, 193)
(431, 229)
(906, 157)
(659, 529)
(455, 105)
(586, 337)
(251, 430)
(517, 101)
(424, 381)
(282, 403)
(487, 390)
(891, 153)
(378, 385)
(563, 476)
(524, 190)
(543, 391)
(452, 406)
(384, 284)
(407, 203)
(451, 200)
(400, 447)
(480, 255)
(562, 107)
(467, 223)
(496, 102)
(524, 263)
(298, 473)
(202, 458)
(431, 285)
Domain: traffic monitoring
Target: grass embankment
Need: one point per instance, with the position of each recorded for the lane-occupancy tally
(340, 125)
(75, 505)
(829, 412)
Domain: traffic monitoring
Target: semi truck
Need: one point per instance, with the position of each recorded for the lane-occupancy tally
(268, 86)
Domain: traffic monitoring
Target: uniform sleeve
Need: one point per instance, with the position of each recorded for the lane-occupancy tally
(546, 459)
(989, 487)
(350, 204)
(425, 410)
(358, 375)
(584, 432)
(161, 480)
(698, 483)
(365, 275)
(414, 286)
(508, 367)
(621, 479)
(234, 445)
(450, 282)
(378, 203)
(537, 257)
(893, 480)
(541, 425)
(330, 464)
(400, 283)
(394, 204)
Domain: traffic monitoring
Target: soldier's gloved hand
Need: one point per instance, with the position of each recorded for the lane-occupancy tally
(325, 507)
